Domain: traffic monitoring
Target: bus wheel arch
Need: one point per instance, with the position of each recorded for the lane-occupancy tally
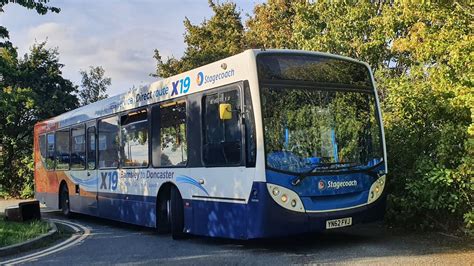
(170, 211)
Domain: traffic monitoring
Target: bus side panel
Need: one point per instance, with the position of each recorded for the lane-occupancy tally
(134, 209)
(80, 203)
(82, 191)
(220, 219)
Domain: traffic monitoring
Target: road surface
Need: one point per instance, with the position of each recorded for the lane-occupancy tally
(118, 243)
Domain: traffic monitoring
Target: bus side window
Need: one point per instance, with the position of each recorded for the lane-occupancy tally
(109, 142)
(50, 159)
(134, 147)
(169, 134)
(91, 148)
(62, 150)
(42, 148)
(222, 143)
(78, 148)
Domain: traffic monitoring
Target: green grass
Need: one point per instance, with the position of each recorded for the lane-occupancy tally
(15, 232)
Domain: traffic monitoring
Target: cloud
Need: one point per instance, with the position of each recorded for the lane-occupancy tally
(120, 37)
(126, 56)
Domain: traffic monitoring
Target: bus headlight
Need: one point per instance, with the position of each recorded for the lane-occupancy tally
(376, 189)
(275, 191)
(288, 199)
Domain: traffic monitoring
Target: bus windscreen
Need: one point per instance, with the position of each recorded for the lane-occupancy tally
(319, 113)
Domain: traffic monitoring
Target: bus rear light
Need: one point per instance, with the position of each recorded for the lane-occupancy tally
(288, 199)
(376, 189)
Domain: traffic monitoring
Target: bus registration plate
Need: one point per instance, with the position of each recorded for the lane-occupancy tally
(330, 224)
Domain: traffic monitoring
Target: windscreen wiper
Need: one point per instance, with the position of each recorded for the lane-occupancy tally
(302, 176)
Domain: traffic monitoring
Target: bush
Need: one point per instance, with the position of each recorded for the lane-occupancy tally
(430, 155)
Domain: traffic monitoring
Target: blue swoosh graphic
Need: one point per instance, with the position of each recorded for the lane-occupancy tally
(91, 182)
(189, 180)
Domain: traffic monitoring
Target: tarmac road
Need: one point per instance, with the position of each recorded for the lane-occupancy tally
(118, 243)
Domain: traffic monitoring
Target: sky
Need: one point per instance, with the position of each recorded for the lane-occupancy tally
(118, 35)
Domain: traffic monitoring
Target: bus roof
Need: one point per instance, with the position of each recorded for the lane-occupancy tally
(225, 71)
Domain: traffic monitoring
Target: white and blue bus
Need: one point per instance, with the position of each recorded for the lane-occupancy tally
(261, 144)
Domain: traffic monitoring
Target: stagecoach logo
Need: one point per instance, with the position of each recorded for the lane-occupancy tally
(336, 184)
(321, 185)
(200, 78)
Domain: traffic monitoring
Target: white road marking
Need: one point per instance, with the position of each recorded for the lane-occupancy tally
(73, 240)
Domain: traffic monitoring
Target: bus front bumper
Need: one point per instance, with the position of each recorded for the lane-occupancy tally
(277, 221)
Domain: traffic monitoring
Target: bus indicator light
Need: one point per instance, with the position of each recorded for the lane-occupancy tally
(376, 189)
(293, 203)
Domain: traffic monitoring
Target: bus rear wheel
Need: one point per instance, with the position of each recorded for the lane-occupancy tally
(65, 209)
(176, 214)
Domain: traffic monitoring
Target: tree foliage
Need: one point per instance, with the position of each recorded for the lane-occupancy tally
(214, 39)
(31, 89)
(94, 85)
(428, 112)
(272, 25)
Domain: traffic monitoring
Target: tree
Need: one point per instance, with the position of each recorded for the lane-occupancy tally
(31, 89)
(216, 38)
(17, 103)
(94, 85)
(272, 24)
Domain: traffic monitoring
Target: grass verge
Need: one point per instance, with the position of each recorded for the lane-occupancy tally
(17, 232)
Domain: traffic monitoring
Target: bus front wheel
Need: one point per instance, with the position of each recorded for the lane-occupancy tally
(66, 211)
(177, 215)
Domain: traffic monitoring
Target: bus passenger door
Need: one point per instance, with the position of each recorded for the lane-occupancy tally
(92, 173)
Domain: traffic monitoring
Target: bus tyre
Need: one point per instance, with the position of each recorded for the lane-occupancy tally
(163, 211)
(177, 215)
(65, 202)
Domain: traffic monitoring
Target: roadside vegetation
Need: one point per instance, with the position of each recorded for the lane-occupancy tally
(421, 54)
(17, 232)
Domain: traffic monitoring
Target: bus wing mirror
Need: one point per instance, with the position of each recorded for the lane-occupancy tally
(225, 111)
